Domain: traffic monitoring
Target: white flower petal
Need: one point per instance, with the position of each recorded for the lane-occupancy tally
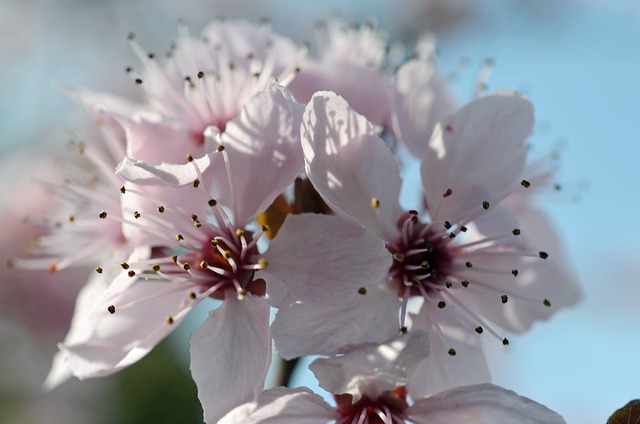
(263, 146)
(476, 155)
(322, 259)
(441, 370)
(481, 404)
(282, 406)
(304, 329)
(373, 369)
(350, 165)
(230, 355)
(420, 98)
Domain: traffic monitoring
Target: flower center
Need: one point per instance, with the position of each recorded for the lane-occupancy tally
(421, 257)
(388, 408)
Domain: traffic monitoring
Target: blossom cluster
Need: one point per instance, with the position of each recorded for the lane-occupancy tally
(250, 174)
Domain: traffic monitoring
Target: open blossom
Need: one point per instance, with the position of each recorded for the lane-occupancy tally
(373, 385)
(463, 277)
(214, 254)
(351, 63)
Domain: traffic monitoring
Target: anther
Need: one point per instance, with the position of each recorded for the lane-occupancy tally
(546, 303)
(103, 215)
(463, 228)
(514, 272)
(441, 304)
(479, 329)
(71, 218)
(403, 330)
(239, 232)
(151, 55)
(52, 268)
(452, 352)
(161, 209)
(468, 264)
(189, 157)
(265, 228)
(179, 237)
(516, 231)
(200, 74)
(212, 202)
(448, 284)
(111, 309)
(505, 342)
(220, 148)
(156, 267)
(464, 283)
(425, 264)
(447, 193)
(543, 255)
(204, 265)
(525, 183)
(10, 262)
(128, 69)
(398, 256)
(131, 273)
(447, 224)
(196, 183)
(169, 320)
(452, 235)
(197, 224)
(504, 298)
(138, 81)
(214, 243)
(375, 202)
(192, 295)
(262, 262)
(99, 270)
(136, 214)
(124, 265)
(123, 190)
(186, 267)
(362, 291)
(486, 205)
(174, 259)
(194, 217)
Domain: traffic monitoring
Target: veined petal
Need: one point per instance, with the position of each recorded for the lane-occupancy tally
(350, 165)
(230, 355)
(476, 155)
(282, 406)
(444, 369)
(373, 369)
(420, 98)
(307, 329)
(137, 324)
(321, 259)
(143, 173)
(481, 404)
(264, 152)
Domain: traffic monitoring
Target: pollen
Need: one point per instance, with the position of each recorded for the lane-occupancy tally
(179, 237)
(375, 202)
(239, 232)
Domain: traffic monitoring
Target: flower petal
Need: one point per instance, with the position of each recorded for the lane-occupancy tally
(282, 406)
(441, 370)
(120, 339)
(321, 259)
(420, 98)
(481, 404)
(476, 155)
(230, 355)
(263, 147)
(306, 329)
(373, 369)
(350, 165)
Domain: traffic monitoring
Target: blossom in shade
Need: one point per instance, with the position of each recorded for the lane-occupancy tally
(352, 62)
(373, 385)
(214, 253)
(463, 277)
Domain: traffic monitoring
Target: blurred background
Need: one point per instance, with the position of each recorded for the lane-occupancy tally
(579, 61)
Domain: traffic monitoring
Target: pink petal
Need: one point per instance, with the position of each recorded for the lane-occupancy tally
(282, 406)
(420, 99)
(476, 155)
(350, 165)
(230, 355)
(263, 146)
(307, 329)
(321, 259)
(441, 370)
(120, 339)
(373, 369)
(171, 174)
(481, 404)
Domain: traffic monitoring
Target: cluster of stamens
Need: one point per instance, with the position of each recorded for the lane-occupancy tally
(388, 408)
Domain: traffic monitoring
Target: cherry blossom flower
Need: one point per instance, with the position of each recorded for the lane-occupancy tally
(351, 63)
(215, 254)
(464, 285)
(373, 384)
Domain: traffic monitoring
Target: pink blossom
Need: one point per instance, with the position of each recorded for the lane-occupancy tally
(464, 278)
(373, 384)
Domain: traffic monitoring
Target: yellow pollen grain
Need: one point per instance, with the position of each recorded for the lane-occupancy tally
(262, 262)
(375, 202)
